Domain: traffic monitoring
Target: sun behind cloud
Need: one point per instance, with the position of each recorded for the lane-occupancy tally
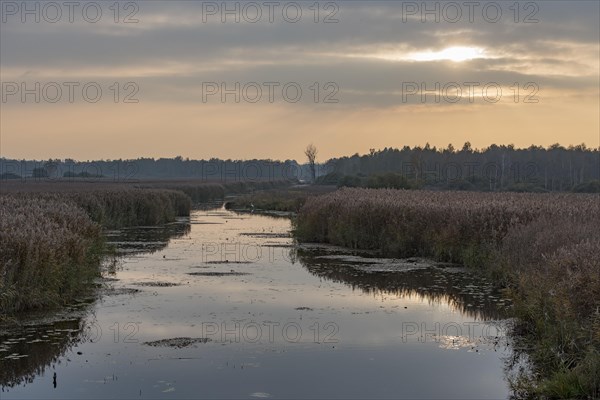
(455, 53)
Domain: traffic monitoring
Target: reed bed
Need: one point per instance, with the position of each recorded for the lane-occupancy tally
(51, 232)
(206, 191)
(286, 200)
(449, 226)
(51, 244)
(49, 251)
(132, 207)
(544, 248)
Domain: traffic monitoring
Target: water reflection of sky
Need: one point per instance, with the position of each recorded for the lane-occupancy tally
(290, 323)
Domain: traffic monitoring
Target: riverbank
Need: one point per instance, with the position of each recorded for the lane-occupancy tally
(289, 200)
(543, 248)
(313, 310)
(53, 244)
(51, 233)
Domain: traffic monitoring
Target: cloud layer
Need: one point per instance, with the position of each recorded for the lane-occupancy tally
(367, 65)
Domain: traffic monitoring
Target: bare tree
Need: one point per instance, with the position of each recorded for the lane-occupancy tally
(311, 154)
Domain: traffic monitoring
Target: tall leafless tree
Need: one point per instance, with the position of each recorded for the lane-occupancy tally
(311, 154)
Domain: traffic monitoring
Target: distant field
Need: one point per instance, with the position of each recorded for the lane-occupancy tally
(77, 185)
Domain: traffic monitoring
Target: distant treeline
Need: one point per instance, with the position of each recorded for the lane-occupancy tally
(150, 168)
(496, 168)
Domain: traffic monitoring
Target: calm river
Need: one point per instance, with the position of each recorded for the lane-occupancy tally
(226, 305)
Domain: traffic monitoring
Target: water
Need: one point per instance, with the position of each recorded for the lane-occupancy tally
(225, 305)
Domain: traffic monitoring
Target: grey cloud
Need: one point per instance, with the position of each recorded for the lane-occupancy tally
(174, 40)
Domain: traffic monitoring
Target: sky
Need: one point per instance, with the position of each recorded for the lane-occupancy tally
(244, 80)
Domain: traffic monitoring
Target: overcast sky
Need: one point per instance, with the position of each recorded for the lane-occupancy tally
(492, 72)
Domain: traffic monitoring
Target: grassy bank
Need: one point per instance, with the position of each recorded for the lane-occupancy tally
(50, 251)
(544, 248)
(290, 199)
(51, 241)
(131, 207)
(200, 192)
(197, 190)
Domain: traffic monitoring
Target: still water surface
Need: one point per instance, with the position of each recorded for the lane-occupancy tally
(226, 305)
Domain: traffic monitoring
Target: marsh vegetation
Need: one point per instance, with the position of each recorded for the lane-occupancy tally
(543, 249)
(537, 253)
(52, 233)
